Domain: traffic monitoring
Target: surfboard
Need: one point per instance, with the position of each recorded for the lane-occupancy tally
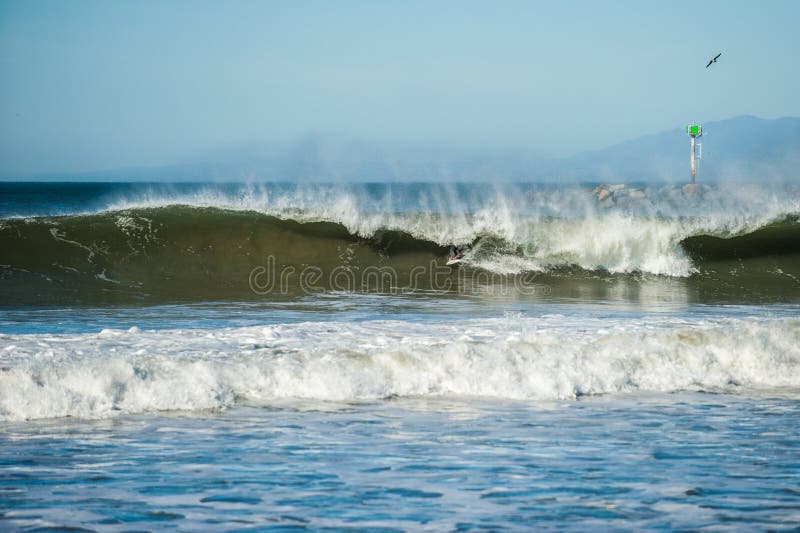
(463, 252)
(457, 259)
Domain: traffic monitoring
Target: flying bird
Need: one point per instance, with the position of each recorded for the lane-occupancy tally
(714, 60)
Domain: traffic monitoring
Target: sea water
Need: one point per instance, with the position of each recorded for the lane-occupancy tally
(566, 378)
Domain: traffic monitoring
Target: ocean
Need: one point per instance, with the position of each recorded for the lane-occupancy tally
(246, 356)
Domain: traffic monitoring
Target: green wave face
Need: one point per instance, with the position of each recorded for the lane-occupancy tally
(777, 239)
(182, 253)
(155, 255)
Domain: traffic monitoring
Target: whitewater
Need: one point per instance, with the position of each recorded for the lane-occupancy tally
(612, 357)
(116, 372)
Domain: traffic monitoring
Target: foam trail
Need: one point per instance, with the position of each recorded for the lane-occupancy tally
(114, 372)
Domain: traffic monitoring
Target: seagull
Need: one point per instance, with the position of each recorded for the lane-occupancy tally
(714, 60)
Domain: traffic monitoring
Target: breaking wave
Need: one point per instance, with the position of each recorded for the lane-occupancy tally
(116, 372)
(208, 242)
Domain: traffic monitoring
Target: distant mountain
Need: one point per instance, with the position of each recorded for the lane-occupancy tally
(742, 148)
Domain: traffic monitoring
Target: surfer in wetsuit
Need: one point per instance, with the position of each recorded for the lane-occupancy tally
(458, 253)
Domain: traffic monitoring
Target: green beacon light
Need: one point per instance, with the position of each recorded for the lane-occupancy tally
(694, 131)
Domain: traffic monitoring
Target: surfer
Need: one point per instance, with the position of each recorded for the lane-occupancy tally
(458, 253)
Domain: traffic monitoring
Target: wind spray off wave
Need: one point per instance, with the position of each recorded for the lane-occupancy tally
(209, 238)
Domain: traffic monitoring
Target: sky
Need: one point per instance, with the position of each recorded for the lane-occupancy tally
(91, 85)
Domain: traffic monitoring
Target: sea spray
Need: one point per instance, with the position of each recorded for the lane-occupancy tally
(162, 243)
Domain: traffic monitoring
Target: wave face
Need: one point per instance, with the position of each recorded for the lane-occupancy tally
(205, 241)
(116, 372)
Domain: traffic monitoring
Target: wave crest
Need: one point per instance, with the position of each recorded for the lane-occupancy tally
(204, 245)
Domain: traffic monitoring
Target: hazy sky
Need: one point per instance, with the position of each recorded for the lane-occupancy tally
(92, 85)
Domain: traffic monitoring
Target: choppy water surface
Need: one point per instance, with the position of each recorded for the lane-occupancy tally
(646, 461)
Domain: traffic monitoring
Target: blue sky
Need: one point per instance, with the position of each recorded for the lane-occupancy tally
(93, 85)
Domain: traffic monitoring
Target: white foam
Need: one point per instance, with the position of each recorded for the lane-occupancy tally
(552, 357)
